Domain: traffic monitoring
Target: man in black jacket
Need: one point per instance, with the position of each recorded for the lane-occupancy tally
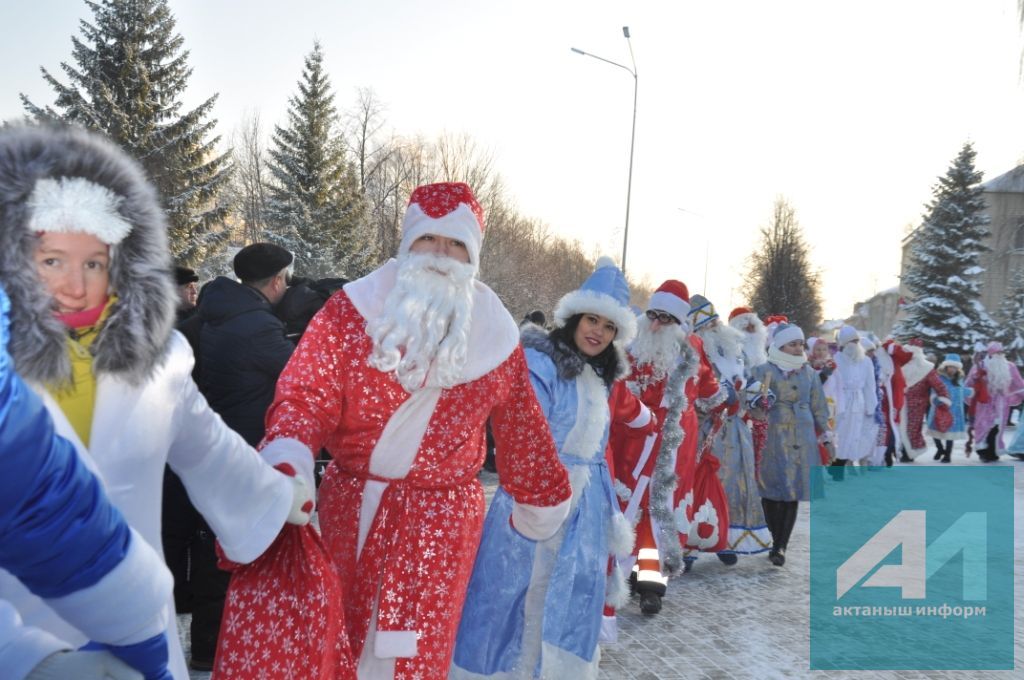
(242, 343)
(241, 350)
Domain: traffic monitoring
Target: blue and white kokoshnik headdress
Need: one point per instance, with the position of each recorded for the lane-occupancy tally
(605, 292)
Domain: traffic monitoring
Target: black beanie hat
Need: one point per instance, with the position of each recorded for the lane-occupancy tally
(183, 275)
(260, 261)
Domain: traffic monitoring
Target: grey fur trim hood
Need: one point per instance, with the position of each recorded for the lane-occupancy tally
(569, 363)
(134, 337)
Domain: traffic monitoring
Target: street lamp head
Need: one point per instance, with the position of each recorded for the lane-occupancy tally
(577, 51)
(625, 32)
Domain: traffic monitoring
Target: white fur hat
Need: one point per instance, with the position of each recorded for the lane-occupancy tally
(847, 334)
(74, 204)
(445, 209)
(786, 333)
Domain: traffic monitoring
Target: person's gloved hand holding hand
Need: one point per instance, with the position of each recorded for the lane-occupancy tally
(302, 499)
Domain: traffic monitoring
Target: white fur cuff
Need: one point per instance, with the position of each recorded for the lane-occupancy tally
(539, 523)
(392, 644)
(642, 419)
(621, 536)
(293, 452)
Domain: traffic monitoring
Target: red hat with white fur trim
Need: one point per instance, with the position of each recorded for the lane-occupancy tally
(445, 209)
(672, 297)
(740, 311)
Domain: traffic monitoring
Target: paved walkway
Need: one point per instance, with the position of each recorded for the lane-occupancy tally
(751, 620)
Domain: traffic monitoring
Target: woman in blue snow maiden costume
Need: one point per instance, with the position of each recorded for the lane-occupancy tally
(534, 608)
(951, 373)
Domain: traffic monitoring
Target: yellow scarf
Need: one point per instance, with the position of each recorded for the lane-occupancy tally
(78, 399)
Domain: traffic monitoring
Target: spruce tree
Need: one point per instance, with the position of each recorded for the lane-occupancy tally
(130, 72)
(943, 274)
(316, 208)
(1011, 314)
(781, 279)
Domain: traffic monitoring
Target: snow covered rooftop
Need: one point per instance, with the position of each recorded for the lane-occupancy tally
(1011, 182)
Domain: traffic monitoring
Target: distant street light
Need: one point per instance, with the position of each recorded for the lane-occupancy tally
(632, 140)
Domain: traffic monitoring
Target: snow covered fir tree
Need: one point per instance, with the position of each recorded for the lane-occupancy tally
(316, 208)
(1011, 318)
(128, 75)
(943, 274)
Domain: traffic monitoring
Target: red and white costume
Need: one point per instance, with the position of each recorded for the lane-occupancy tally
(921, 378)
(400, 506)
(703, 391)
(644, 469)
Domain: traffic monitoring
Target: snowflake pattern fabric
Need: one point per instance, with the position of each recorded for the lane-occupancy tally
(422, 542)
(283, 615)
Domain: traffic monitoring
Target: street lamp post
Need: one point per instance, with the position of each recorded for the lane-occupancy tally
(632, 139)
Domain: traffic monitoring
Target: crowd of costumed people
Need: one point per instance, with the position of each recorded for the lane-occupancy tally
(189, 434)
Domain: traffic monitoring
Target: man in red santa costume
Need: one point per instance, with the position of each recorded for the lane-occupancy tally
(706, 394)
(396, 377)
(891, 360)
(755, 336)
(661, 362)
(921, 378)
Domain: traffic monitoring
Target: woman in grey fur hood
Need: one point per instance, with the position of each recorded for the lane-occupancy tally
(85, 262)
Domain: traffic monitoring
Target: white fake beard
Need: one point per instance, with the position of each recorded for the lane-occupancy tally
(723, 340)
(755, 344)
(659, 349)
(423, 334)
(885, 363)
(854, 351)
(998, 372)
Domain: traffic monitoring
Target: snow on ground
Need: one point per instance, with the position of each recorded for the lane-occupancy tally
(751, 620)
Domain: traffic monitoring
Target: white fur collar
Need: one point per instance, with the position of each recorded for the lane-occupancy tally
(493, 334)
(916, 370)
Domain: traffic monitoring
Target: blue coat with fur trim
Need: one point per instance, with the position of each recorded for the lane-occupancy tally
(535, 607)
(959, 394)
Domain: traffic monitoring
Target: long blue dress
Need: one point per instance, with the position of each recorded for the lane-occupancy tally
(534, 609)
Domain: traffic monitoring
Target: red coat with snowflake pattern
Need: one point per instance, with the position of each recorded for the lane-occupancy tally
(419, 545)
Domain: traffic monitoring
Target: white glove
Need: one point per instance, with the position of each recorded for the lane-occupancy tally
(945, 400)
(83, 666)
(302, 503)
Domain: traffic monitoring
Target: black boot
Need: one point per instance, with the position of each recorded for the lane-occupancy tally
(787, 520)
(772, 517)
(650, 603)
(728, 559)
(837, 469)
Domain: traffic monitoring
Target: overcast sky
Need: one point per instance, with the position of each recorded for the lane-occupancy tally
(850, 111)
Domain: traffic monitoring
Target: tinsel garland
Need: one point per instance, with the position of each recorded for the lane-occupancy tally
(663, 482)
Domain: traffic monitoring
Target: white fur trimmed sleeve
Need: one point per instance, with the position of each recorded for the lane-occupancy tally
(245, 500)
